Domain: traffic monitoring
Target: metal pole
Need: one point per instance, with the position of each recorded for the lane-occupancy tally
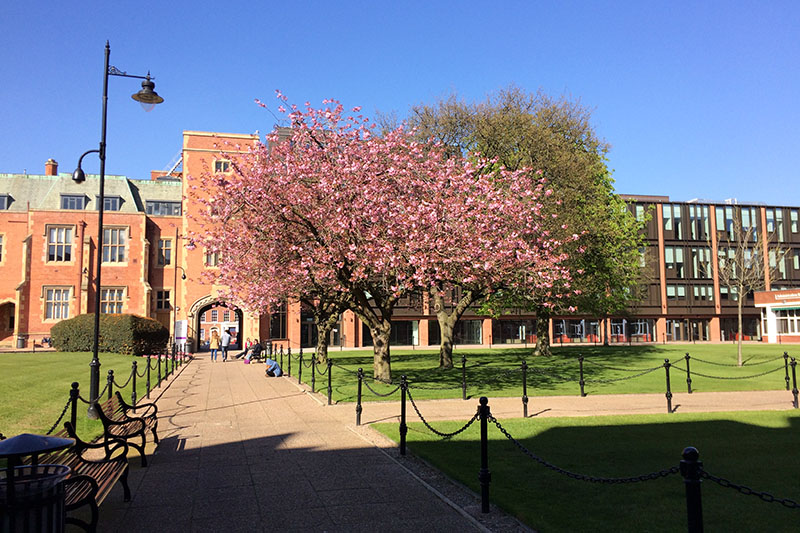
(524, 389)
(690, 470)
(110, 383)
(300, 368)
(288, 359)
(148, 377)
(794, 382)
(669, 389)
(463, 377)
(786, 368)
(484, 476)
(358, 398)
(94, 366)
(330, 388)
(133, 392)
(581, 381)
(314, 373)
(73, 397)
(403, 426)
(688, 374)
(159, 370)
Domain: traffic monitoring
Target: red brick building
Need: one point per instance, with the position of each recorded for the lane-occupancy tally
(48, 254)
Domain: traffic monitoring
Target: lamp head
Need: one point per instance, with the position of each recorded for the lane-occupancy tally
(147, 96)
(78, 176)
(183, 276)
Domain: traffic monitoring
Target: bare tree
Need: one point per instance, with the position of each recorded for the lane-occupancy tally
(741, 264)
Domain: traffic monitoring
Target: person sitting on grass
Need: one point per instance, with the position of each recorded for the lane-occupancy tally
(273, 370)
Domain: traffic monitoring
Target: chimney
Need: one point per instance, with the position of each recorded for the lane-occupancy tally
(51, 167)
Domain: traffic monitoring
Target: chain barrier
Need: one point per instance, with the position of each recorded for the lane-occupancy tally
(582, 477)
(100, 394)
(587, 360)
(735, 364)
(325, 364)
(366, 383)
(747, 491)
(434, 430)
(695, 373)
(549, 375)
(310, 362)
(117, 385)
(614, 380)
(423, 387)
(345, 369)
(61, 416)
(494, 379)
(84, 400)
(143, 372)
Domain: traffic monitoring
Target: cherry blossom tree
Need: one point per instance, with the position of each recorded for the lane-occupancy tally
(338, 217)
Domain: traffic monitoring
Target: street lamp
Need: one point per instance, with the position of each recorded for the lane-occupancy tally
(147, 97)
(175, 306)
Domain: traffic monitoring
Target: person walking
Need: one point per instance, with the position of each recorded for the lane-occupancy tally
(226, 342)
(214, 345)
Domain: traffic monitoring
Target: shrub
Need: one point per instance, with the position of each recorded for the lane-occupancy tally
(124, 334)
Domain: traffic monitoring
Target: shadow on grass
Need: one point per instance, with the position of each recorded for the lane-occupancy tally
(740, 450)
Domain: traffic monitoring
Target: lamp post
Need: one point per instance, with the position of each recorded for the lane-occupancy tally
(175, 307)
(148, 98)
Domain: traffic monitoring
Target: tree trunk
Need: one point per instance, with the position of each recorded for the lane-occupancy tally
(739, 343)
(447, 322)
(324, 326)
(381, 365)
(542, 333)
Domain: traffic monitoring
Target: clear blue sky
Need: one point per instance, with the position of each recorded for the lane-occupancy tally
(697, 99)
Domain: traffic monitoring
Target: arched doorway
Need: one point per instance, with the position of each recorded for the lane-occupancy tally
(7, 324)
(208, 314)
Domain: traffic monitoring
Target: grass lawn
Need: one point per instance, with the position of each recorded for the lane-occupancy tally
(615, 369)
(34, 387)
(755, 449)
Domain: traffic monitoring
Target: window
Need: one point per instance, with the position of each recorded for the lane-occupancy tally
(793, 220)
(114, 244)
(788, 321)
(277, 322)
(2, 238)
(73, 201)
(111, 300)
(672, 219)
(162, 300)
(777, 264)
(212, 259)
(673, 257)
(226, 316)
(56, 303)
(164, 252)
(704, 292)
(59, 244)
(639, 210)
(701, 263)
(775, 223)
(676, 292)
(728, 293)
(162, 208)
(698, 222)
(795, 259)
(222, 165)
(110, 203)
(214, 315)
(5, 201)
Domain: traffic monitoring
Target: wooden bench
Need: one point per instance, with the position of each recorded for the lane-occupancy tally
(121, 422)
(90, 479)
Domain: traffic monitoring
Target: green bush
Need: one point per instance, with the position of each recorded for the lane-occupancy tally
(124, 334)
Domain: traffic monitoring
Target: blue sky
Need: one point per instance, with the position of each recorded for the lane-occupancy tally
(697, 99)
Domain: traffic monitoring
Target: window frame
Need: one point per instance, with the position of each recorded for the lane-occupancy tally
(222, 166)
(119, 294)
(77, 198)
(66, 245)
(163, 208)
(164, 300)
(51, 304)
(162, 258)
(119, 249)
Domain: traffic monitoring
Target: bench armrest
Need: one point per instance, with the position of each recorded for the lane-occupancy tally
(150, 409)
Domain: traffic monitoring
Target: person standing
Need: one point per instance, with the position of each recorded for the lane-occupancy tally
(226, 342)
(214, 345)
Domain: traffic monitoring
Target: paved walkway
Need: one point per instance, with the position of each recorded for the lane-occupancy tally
(242, 452)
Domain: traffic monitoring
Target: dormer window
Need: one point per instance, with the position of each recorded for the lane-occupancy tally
(5, 202)
(110, 203)
(73, 201)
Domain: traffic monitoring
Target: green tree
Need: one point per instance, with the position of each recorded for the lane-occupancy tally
(555, 135)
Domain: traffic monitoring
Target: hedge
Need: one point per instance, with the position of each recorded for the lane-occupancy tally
(124, 334)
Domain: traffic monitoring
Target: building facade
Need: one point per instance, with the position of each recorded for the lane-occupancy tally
(48, 255)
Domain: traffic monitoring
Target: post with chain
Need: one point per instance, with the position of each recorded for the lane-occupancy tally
(688, 374)
(289, 361)
(358, 397)
(300, 367)
(524, 389)
(690, 468)
(403, 426)
(147, 385)
(73, 397)
(581, 381)
(330, 388)
(794, 382)
(282, 357)
(133, 390)
(669, 388)
(484, 476)
(314, 373)
(463, 377)
(110, 383)
(159, 370)
(786, 368)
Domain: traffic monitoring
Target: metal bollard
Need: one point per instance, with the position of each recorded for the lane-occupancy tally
(690, 470)
(581, 381)
(524, 389)
(358, 398)
(403, 426)
(289, 360)
(484, 476)
(300, 368)
(786, 368)
(73, 397)
(281, 355)
(688, 374)
(147, 385)
(159, 370)
(133, 391)
(463, 377)
(669, 388)
(794, 382)
(330, 388)
(110, 382)
(314, 373)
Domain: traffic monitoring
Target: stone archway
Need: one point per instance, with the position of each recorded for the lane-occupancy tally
(200, 326)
